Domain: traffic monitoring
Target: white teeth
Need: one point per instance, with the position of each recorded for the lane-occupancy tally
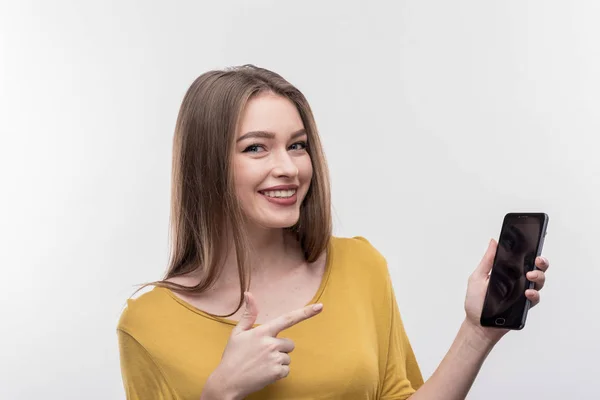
(280, 193)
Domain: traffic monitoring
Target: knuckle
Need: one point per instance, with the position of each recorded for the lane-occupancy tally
(237, 337)
(282, 371)
(289, 319)
(276, 371)
(287, 345)
(270, 345)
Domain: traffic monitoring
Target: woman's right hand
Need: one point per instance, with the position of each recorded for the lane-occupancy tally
(255, 357)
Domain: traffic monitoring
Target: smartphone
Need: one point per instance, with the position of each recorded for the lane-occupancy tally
(521, 241)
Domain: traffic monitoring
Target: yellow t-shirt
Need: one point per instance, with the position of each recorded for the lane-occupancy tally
(356, 348)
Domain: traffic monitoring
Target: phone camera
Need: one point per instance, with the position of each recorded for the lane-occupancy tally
(500, 321)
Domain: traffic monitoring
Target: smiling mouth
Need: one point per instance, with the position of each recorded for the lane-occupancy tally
(279, 194)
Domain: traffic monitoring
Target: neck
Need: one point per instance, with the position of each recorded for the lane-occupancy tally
(273, 252)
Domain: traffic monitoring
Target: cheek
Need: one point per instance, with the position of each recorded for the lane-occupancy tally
(244, 178)
(237, 167)
(305, 169)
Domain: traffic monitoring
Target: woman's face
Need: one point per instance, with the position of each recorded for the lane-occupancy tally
(516, 254)
(271, 165)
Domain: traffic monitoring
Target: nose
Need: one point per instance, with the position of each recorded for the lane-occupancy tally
(284, 165)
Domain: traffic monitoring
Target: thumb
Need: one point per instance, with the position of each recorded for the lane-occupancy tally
(485, 265)
(249, 315)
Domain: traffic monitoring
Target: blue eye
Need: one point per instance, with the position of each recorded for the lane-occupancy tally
(253, 148)
(299, 146)
(509, 243)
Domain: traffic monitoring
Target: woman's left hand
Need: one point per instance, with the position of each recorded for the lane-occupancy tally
(477, 288)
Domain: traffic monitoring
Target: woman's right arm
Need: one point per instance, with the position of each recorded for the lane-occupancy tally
(143, 379)
(254, 357)
(216, 389)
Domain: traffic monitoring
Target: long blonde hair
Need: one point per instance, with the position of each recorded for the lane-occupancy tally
(203, 201)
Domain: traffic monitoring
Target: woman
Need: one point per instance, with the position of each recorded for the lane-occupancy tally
(256, 279)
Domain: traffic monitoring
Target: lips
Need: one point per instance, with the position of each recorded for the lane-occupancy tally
(280, 191)
(280, 194)
(284, 195)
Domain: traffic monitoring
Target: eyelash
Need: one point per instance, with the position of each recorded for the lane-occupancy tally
(248, 149)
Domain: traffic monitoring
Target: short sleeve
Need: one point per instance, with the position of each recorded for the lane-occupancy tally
(142, 378)
(402, 374)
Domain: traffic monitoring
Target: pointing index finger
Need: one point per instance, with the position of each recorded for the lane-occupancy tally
(274, 327)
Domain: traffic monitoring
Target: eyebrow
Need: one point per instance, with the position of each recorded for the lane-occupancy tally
(268, 135)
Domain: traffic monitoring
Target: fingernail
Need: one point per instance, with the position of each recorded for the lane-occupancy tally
(318, 307)
(245, 298)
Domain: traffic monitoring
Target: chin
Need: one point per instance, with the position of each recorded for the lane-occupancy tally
(267, 215)
(275, 220)
(278, 223)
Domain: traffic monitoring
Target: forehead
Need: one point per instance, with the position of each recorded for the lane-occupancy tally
(272, 113)
(529, 232)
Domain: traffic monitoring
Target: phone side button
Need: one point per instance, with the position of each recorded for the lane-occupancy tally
(500, 321)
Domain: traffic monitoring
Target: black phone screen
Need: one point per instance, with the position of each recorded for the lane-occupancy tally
(518, 246)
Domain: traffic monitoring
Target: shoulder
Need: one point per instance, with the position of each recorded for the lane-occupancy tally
(143, 312)
(359, 258)
(358, 248)
(360, 269)
(357, 243)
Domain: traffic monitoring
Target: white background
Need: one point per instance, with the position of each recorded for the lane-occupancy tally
(438, 117)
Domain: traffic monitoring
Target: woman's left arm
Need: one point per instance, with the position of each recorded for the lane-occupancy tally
(455, 375)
